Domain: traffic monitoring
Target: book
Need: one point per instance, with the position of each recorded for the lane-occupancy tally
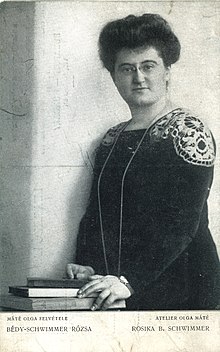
(51, 304)
(25, 291)
(50, 282)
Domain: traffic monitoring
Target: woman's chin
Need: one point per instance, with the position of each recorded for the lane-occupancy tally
(141, 103)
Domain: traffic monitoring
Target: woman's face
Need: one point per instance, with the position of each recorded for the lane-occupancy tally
(140, 76)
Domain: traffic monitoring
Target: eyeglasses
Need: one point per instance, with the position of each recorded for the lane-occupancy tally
(127, 69)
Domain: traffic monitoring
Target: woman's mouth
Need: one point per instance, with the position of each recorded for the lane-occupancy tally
(139, 89)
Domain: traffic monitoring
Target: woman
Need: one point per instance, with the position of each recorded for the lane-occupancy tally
(144, 236)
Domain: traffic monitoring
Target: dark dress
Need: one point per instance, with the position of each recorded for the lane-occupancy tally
(167, 252)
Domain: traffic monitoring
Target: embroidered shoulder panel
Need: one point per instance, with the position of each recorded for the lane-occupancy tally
(112, 133)
(191, 138)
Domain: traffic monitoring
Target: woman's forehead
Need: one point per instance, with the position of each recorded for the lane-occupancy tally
(140, 54)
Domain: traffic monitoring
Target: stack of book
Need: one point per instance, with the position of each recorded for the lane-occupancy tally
(50, 294)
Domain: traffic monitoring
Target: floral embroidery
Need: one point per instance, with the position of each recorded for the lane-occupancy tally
(112, 133)
(191, 138)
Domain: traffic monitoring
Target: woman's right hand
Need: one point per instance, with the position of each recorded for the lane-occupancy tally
(81, 272)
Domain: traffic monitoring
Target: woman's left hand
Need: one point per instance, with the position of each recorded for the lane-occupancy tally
(110, 288)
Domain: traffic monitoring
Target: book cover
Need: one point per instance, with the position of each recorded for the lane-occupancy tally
(25, 291)
(55, 282)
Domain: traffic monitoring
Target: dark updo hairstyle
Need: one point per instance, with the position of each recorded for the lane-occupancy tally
(132, 32)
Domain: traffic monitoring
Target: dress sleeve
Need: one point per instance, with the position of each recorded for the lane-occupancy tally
(182, 203)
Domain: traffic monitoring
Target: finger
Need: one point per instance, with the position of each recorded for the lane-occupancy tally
(88, 285)
(94, 277)
(108, 302)
(82, 276)
(101, 298)
(79, 271)
(70, 270)
(90, 288)
(90, 270)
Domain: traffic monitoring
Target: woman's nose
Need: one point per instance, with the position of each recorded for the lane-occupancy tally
(138, 76)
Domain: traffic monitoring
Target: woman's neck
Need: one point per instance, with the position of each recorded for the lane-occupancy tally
(143, 117)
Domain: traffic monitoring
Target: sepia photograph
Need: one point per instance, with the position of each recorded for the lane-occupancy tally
(110, 175)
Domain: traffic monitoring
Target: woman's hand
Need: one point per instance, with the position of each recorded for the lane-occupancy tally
(81, 272)
(110, 288)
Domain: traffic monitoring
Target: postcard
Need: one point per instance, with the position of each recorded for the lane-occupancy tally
(109, 140)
